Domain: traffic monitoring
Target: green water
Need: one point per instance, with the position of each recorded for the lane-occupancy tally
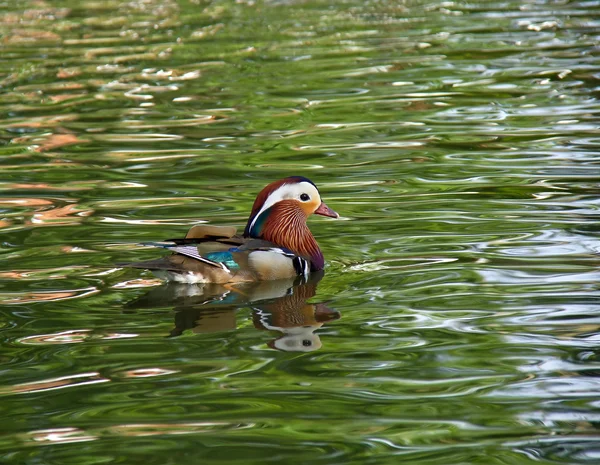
(457, 320)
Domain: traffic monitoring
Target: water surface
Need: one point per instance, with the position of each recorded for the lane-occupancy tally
(456, 321)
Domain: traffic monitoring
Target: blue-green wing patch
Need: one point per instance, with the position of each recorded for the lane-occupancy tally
(226, 258)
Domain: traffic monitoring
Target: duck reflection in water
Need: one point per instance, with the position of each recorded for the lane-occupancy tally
(279, 305)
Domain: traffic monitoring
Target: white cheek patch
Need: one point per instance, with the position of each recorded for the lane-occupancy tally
(288, 192)
(299, 342)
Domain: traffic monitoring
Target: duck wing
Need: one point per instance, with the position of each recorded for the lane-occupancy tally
(217, 254)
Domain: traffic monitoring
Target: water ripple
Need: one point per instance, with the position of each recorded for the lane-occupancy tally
(458, 142)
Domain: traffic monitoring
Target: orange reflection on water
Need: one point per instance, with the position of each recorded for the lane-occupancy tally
(68, 73)
(25, 202)
(68, 214)
(71, 434)
(27, 36)
(55, 141)
(72, 336)
(135, 283)
(14, 274)
(64, 337)
(61, 436)
(59, 383)
(147, 372)
(71, 249)
(39, 297)
(62, 97)
(45, 211)
(47, 296)
(42, 122)
(119, 336)
(69, 186)
(48, 273)
(157, 429)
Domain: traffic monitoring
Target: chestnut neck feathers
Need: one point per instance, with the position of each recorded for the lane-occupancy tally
(284, 224)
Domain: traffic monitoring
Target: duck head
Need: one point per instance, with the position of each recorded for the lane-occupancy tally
(279, 215)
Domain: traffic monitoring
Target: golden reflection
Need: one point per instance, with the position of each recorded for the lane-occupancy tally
(47, 273)
(25, 202)
(71, 434)
(71, 249)
(44, 211)
(63, 337)
(65, 186)
(56, 141)
(61, 98)
(159, 429)
(35, 122)
(14, 274)
(138, 282)
(20, 36)
(65, 215)
(51, 296)
(152, 155)
(38, 297)
(280, 306)
(73, 336)
(147, 373)
(61, 436)
(59, 383)
(68, 73)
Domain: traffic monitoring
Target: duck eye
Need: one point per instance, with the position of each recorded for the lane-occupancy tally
(304, 197)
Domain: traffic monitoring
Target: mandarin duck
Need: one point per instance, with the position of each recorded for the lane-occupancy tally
(294, 317)
(277, 305)
(276, 242)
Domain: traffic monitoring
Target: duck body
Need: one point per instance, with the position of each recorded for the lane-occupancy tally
(276, 243)
(277, 305)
